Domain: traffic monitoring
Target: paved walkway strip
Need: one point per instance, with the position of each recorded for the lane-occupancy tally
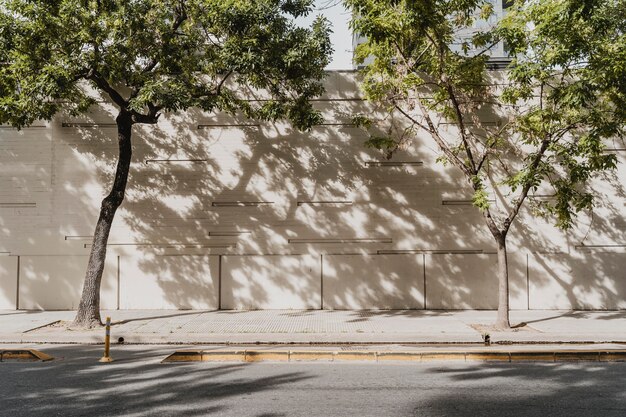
(319, 327)
(23, 355)
(247, 355)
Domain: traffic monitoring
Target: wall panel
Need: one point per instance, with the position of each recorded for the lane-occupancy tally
(273, 282)
(56, 282)
(149, 281)
(469, 281)
(595, 281)
(373, 281)
(8, 282)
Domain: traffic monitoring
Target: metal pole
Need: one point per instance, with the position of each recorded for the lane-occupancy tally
(107, 343)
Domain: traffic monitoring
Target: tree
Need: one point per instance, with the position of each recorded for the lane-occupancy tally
(150, 57)
(560, 99)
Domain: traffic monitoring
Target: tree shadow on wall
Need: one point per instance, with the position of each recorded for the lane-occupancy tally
(586, 273)
(211, 194)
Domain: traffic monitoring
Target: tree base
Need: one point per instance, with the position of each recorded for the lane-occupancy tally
(502, 326)
(492, 328)
(85, 323)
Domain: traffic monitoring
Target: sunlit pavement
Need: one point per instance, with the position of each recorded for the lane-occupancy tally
(138, 384)
(318, 326)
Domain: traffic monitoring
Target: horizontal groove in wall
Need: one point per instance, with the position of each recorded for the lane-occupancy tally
(270, 254)
(495, 123)
(173, 161)
(347, 124)
(542, 196)
(370, 164)
(548, 252)
(614, 150)
(432, 251)
(347, 240)
(607, 246)
(324, 203)
(461, 202)
(75, 237)
(230, 233)
(241, 203)
(229, 125)
(323, 100)
(182, 224)
(81, 124)
(18, 205)
(172, 245)
(25, 127)
(327, 100)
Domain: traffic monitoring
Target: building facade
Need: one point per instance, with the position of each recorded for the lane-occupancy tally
(227, 213)
(498, 55)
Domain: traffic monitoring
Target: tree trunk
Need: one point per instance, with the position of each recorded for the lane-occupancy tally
(88, 314)
(502, 321)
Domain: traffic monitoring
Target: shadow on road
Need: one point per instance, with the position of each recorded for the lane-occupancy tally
(76, 384)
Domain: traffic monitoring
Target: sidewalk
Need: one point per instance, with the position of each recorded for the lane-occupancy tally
(317, 327)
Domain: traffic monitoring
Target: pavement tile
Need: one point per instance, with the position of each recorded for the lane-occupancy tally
(318, 326)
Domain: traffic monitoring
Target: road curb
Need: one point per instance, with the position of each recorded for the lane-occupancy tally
(23, 355)
(252, 355)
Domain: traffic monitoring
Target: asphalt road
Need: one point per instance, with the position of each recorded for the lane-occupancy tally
(137, 384)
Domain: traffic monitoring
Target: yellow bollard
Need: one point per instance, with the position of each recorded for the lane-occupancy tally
(107, 343)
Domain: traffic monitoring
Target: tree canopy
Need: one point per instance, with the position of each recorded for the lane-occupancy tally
(159, 55)
(571, 56)
(540, 123)
(155, 56)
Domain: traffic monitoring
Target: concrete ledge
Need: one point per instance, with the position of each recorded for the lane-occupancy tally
(397, 356)
(542, 356)
(390, 355)
(612, 356)
(23, 355)
(442, 356)
(223, 355)
(488, 356)
(310, 355)
(354, 355)
(185, 356)
(260, 355)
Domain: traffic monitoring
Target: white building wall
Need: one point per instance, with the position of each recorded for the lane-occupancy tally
(224, 212)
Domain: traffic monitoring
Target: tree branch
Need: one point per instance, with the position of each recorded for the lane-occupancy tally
(520, 200)
(441, 143)
(152, 117)
(106, 87)
(219, 86)
(182, 16)
(411, 118)
(459, 116)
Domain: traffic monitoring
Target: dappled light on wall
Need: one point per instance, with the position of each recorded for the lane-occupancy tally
(222, 212)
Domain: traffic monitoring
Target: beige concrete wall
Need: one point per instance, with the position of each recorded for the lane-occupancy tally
(373, 281)
(55, 282)
(149, 281)
(203, 185)
(282, 282)
(469, 281)
(8, 282)
(578, 281)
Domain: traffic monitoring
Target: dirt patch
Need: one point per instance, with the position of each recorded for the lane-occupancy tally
(490, 328)
(57, 325)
